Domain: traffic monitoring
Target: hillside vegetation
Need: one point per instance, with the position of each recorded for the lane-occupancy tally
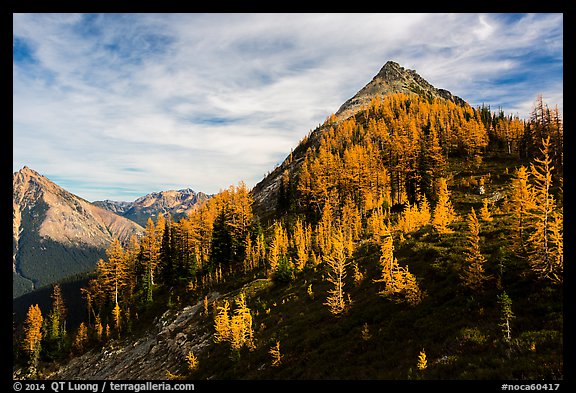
(417, 239)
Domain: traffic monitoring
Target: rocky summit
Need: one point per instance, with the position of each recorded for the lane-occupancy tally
(393, 78)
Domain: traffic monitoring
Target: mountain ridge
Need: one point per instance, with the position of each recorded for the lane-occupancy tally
(392, 78)
(176, 203)
(57, 233)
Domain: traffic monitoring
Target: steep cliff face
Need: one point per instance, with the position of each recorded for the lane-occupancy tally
(56, 233)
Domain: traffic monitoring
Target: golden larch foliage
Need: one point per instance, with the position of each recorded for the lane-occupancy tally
(81, 337)
(276, 355)
(191, 361)
(300, 244)
(397, 279)
(98, 328)
(116, 314)
(222, 323)
(377, 225)
(444, 213)
(358, 275)
(33, 333)
(521, 202)
(422, 362)
(545, 251)
(336, 264)
(278, 246)
(236, 329)
(473, 274)
(485, 214)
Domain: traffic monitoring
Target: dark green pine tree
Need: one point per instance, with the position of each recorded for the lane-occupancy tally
(143, 280)
(284, 191)
(185, 263)
(221, 248)
(167, 265)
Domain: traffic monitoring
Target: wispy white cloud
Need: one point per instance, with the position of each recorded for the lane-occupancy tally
(119, 105)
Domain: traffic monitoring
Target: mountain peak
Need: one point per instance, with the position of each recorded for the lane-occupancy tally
(26, 171)
(390, 70)
(56, 233)
(28, 181)
(393, 78)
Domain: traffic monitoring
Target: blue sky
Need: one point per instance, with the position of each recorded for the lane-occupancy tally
(115, 106)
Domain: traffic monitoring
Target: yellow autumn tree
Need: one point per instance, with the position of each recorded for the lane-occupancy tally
(116, 314)
(237, 329)
(352, 223)
(241, 330)
(545, 255)
(278, 247)
(510, 132)
(300, 236)
(276, 355)
(399, 282)
(57, 316)
(444, 213)
(150, 254)
(191, 362)
(473, 274)
(424, 211)
(325, 229)
(98, 328)
(377, 225)
(408, 219)
(521, 202)
(81, 337)
(422, 362)
(485, 211)
(222, 323)
(556, 233)
(33, 334)
(249, 257)
(260, 249)
(410, 289)
(336, 264)
(413, 217)
(113, 273)
(386, 259)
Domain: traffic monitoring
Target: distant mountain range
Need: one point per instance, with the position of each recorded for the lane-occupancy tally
(176, 203)
(57, 234)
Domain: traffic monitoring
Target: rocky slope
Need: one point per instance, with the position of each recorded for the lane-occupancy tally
(56, 233)
(162, 348)
(177, 203)
(114, 206)
(157, 347)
